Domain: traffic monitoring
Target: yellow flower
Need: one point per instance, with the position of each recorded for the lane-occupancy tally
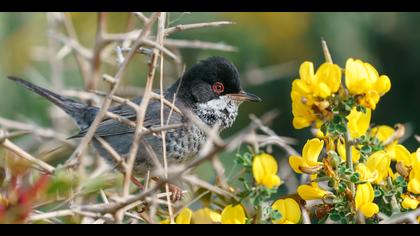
(358, 122)
(416, 155)
(289, 209)
(379, 162)
(309, 159)
(324, 82)
(363, 79)
(341, 149)
(165, 222)
(409, 203)
(401, 154)
(366, 174)
(264, 169)
(184, 217)
(206, 216)
(364, 200)
(311, 86)
(302, 101)
(327, 80)
(382, 132)
(414, 179)
(311, 192)
(233, 215)
(418, 219)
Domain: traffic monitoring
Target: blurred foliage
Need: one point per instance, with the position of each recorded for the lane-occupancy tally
(388, 40)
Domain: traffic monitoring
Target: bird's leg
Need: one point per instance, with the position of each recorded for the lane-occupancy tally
(175, 190)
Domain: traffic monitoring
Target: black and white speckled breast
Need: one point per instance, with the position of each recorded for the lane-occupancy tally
(185, 143)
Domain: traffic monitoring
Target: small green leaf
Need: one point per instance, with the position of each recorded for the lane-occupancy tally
(355, 177)
(377, 193)
(342, 187)
(366, 149)
(275, 215)
(343, 221)
(341, 128)
(335, 217)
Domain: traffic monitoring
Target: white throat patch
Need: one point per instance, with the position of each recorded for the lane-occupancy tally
(223, 110)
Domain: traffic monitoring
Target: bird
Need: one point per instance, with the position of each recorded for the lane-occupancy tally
(209, 90)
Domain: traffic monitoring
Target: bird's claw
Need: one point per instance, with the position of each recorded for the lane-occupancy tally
(176, 193)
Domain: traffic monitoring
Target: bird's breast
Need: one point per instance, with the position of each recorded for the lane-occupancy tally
(184, 143)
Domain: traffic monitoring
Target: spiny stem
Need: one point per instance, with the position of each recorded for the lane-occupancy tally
(327, 53)
(394, 203)
(349, 156)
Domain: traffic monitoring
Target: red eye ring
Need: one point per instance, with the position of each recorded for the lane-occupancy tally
(218, 88)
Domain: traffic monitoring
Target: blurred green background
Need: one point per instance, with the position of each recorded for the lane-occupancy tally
(271, 47)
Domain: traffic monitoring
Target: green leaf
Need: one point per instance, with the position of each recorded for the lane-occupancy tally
(355, 178)
(361, 108)
(335, 217)
(348, 172)
(275, 214)
(378, 193)
(343, 221)
(341, 128)
(342, 187)
(366, 149)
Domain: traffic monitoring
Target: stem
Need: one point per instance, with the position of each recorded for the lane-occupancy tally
(394, 202)
(349, 157)
(321, 179)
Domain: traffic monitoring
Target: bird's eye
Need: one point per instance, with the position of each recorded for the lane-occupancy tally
(218, 88)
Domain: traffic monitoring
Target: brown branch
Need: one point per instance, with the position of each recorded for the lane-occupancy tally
(141, 113)
(21, 153)
(141, 16)
(198, 44)
(80, 60)
(179, 28)
(100, 43)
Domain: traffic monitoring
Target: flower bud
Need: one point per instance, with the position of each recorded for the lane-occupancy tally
(310, 170)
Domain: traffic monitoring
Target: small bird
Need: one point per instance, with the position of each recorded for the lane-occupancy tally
(210, 90)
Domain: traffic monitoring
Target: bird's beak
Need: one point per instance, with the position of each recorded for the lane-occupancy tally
(243, 96)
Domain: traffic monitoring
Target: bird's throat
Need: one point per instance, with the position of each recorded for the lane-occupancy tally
(222, 110)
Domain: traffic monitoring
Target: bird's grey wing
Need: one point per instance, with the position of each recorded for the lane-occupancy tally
(125, 110)
(111, 127)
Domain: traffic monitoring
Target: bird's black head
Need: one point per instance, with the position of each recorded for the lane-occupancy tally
(212, 78)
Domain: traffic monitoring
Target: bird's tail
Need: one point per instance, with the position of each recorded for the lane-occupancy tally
(81, 113)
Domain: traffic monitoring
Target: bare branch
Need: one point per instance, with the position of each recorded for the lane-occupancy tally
(21, 153)
(179, 28)
(197, 44)
(141, 17)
